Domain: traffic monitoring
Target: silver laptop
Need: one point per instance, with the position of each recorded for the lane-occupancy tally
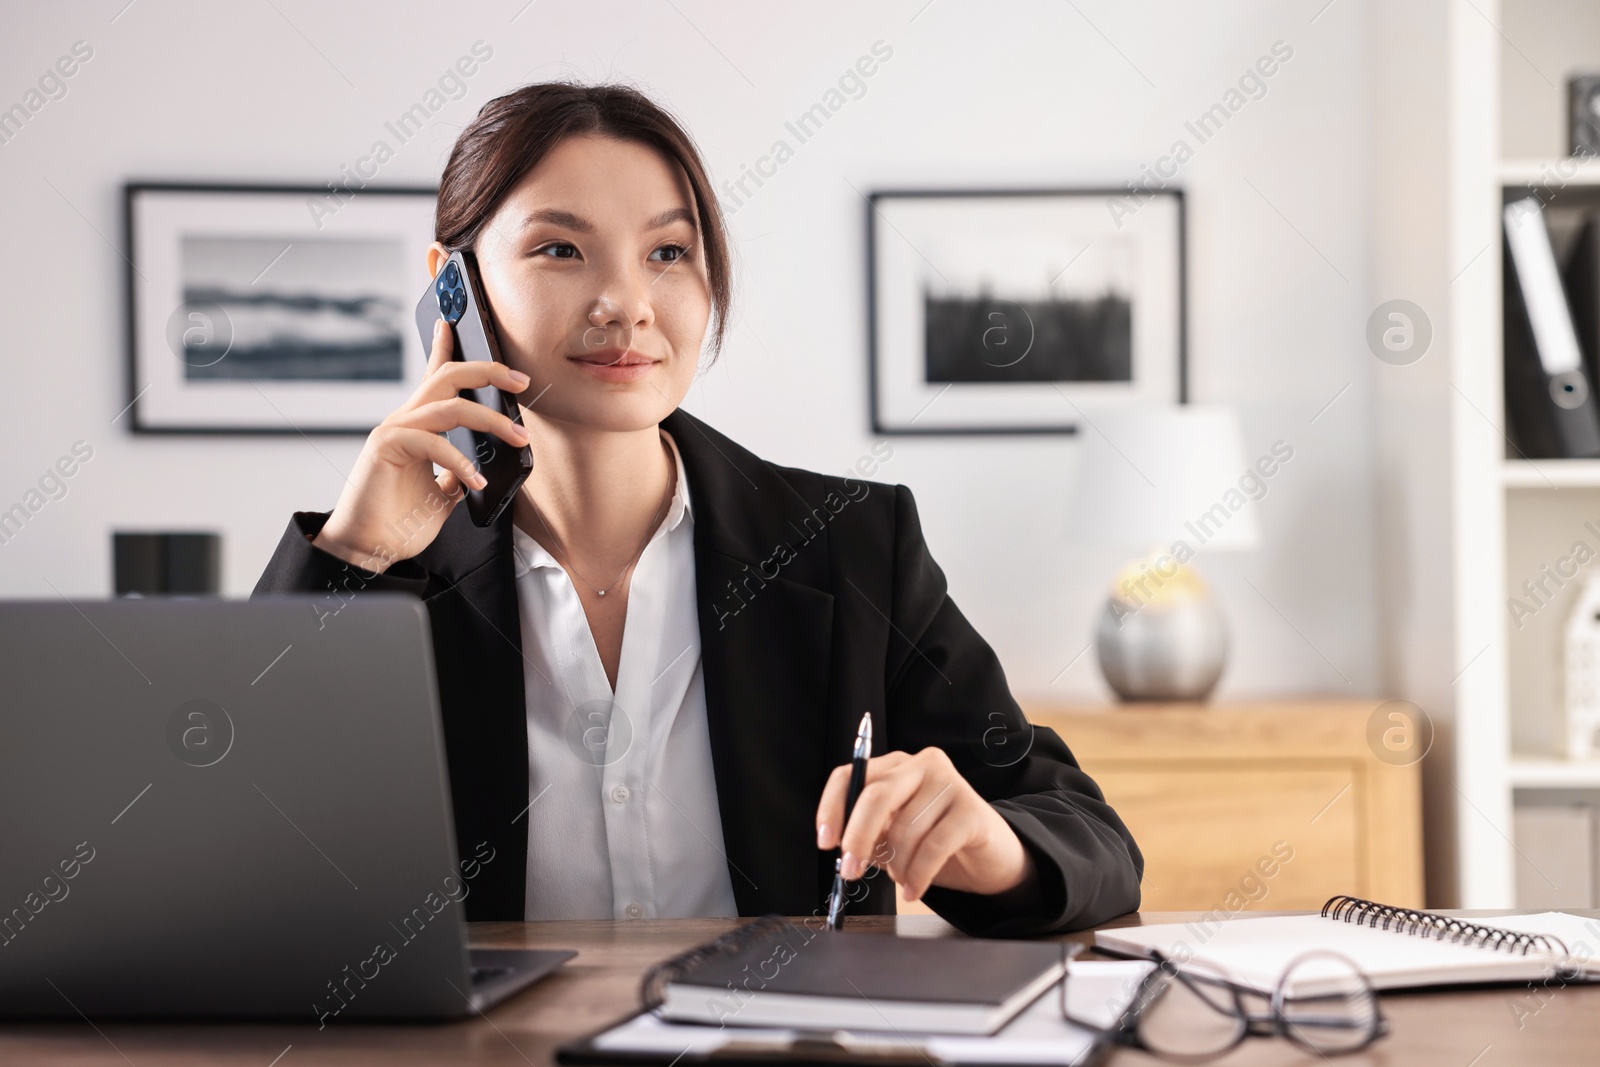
(232, 809)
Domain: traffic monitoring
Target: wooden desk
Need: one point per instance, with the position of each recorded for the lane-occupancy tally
(1474, 1028)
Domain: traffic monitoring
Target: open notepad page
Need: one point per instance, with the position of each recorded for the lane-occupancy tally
(1096, 993)
(1257, 951)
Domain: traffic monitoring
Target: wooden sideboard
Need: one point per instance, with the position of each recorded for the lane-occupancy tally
(1252, 806)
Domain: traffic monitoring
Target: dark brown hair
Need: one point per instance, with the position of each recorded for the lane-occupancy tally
(513, 133)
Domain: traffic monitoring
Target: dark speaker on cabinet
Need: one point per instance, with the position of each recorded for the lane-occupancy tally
(167, 564)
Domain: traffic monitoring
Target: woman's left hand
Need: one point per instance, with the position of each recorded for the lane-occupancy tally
(921, 821)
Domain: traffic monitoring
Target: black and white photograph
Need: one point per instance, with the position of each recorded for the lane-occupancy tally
(272, 310)
(320, 310)
(1002, 312)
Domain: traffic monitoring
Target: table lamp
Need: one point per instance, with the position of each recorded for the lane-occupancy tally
(1172, 482)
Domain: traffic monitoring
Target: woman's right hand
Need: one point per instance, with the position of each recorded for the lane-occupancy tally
(392, 505)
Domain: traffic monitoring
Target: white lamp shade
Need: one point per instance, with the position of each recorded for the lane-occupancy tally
(1152, 476)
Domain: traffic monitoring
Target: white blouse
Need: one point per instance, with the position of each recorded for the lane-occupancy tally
(622, 816)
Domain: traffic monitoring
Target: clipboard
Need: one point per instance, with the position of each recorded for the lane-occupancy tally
(1037, 1037)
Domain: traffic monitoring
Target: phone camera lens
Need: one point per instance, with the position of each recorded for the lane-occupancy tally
(451, 293)
(452, 303)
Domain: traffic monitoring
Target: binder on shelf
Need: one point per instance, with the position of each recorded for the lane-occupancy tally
(1583, 292)
(1550, 394)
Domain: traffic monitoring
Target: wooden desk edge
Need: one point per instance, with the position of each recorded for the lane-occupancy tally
(601, 986)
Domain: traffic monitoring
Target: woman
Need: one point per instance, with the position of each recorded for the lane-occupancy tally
(651, 667)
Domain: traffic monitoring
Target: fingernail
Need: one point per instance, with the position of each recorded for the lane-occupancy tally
(851, 867)
(822, 836)
(478, 480)
(438, 324)
(518, 377)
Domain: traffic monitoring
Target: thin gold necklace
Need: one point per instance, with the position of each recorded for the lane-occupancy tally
(651, 532)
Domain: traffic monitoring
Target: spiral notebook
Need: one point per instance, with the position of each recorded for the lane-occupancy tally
(1397, 948)
(773, 972)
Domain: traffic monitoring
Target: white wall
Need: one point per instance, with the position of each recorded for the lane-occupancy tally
(976, 94)
(1542, 44)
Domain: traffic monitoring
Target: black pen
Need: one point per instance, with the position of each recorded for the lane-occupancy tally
(858, 778)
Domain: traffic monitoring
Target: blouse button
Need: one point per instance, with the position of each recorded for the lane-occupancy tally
(634, 911)
(620, 794)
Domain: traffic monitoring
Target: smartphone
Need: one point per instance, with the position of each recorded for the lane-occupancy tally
(456, 296)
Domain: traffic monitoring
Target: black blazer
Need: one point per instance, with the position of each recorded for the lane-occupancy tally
(817, 600)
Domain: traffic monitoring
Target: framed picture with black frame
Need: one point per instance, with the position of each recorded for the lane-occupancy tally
(1015, 311)
(273, 309)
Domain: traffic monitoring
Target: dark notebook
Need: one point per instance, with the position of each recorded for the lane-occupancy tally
(775, 973)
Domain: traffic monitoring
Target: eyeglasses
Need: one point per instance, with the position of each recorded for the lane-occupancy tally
(1193, 1012)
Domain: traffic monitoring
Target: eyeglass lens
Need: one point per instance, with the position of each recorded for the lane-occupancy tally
(1326, 1005)
(1191, 1012)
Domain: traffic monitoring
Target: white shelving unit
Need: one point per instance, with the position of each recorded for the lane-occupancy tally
(1530, 773)
(1472, 101)
(1551, 474)
(1550, 171)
